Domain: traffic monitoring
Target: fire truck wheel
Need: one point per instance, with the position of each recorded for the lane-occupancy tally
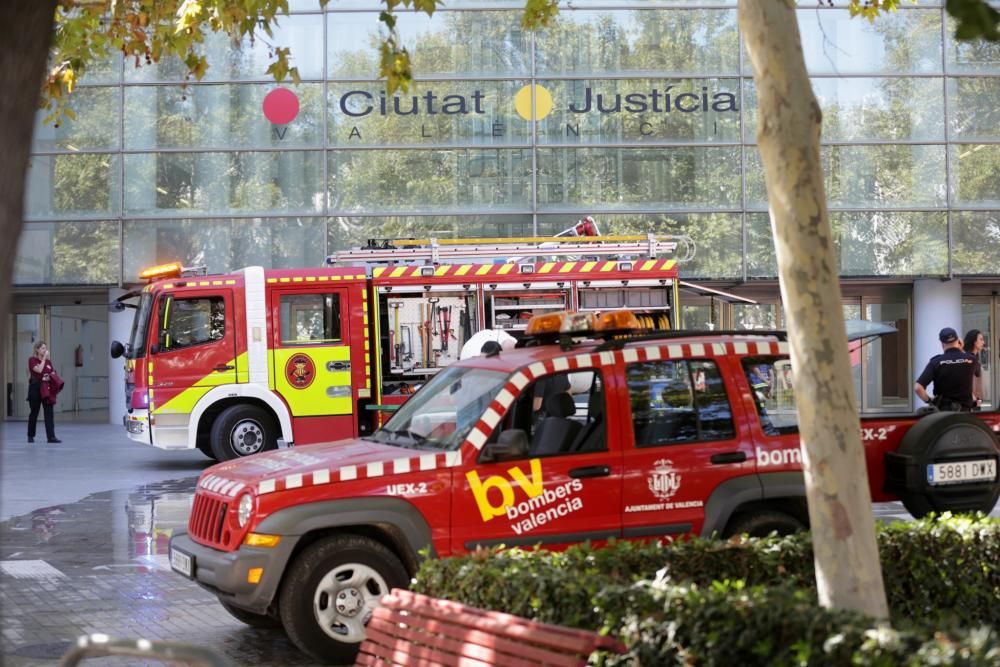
(250, 618)
(330, 591)
(762, 523)
(242, 430)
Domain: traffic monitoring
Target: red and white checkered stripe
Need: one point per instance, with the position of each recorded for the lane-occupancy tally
(220, 485)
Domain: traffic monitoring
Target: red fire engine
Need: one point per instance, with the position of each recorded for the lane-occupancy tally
(258, 359)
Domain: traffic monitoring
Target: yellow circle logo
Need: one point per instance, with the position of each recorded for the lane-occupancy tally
(543, 102)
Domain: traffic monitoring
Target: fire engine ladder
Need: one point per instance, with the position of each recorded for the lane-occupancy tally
(437, 251)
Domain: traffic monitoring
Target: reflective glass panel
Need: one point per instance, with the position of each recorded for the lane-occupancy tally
(868, 243)
(431, 112)
(881, 175)
(224, 245)
(975, 242)
(224, 182)
(642, 178)
(908, 40)
(975, 55)
(303, 34)
(973, 108)
(223, 116)
(718, 237)
(104, 69)
(470, 180)
(977, 316)
(888, 383)
(638, 110)
(860, 109)
(975, 174)
(346, 232)
(72, 184)
(67, 253)
(465, 43)
(688, 41)
(95, 127)
(755, 316)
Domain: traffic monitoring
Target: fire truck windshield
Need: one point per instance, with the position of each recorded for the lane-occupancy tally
(140, 325)
(441, 414)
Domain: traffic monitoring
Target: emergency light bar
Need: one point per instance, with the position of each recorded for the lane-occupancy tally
(566, 325)
(171, 270)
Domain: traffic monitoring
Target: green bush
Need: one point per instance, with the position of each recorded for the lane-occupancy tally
(941, 575)
(942, 572)
(730, 624)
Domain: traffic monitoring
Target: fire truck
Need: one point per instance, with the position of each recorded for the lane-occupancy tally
(260, 359)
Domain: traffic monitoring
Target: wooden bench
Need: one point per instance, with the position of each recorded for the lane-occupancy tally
(413, 629)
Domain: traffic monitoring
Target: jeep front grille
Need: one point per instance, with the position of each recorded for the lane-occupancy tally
(208, 520)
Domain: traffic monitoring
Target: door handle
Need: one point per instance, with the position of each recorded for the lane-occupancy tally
(224, 367)
(729, 457)
(590, 471)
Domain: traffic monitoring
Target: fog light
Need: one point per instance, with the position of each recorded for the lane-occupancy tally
(254, 574)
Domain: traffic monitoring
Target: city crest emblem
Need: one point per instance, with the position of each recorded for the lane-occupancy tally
(664, 481)
(300, 371)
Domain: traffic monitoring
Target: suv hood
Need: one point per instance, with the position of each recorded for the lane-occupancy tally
(327, 463)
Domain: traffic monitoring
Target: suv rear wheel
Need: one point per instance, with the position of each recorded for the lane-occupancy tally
(330, 592)
(763, 523)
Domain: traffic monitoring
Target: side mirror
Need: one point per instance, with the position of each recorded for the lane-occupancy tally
(154, 348)
(117, 349)
(512, 444)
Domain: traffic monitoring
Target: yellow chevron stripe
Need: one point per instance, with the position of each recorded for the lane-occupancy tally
(442, 270)
(462, 270)
(607, 266)
(567, 267)
(505, 269)
(589, 266)
(546, 267)
(230, 282)
(397, 272)
(378, 272)
(648, 265)
(483, 270)
(669, 264)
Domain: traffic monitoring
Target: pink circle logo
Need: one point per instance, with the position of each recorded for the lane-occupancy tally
(281, 106)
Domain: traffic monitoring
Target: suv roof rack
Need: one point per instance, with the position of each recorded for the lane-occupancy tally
(620, 341)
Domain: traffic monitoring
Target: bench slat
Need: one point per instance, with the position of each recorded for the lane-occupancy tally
(506, 625)
(475, 644)
(415, 630)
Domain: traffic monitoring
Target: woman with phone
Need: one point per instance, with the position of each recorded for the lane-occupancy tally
(40, 370)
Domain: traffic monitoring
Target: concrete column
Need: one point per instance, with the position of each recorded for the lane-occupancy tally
(119, 328)
(936, 304)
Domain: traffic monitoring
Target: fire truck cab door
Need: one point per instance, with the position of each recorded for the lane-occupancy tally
(311, 350)
(192, 351)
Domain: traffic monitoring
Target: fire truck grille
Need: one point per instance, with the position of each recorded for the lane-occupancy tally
(208, 520)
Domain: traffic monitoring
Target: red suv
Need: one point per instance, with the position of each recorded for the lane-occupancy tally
(551, 444)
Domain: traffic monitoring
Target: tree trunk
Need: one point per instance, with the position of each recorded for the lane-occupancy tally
(848, 574)
(23, 53)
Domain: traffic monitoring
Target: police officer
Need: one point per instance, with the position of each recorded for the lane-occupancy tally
(951, 373)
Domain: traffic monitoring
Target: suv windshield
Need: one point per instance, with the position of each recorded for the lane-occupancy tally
(442, 413)
(137, 341)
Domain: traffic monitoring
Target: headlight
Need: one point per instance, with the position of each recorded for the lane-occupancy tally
(245, 509)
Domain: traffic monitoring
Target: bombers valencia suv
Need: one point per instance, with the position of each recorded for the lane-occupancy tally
(632, 437)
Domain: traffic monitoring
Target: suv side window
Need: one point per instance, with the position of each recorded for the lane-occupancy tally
(678, 402)
(310, 318)
(562, 413)
(770, 381)
(187, 322)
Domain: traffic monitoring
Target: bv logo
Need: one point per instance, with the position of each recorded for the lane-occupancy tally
(481, 489)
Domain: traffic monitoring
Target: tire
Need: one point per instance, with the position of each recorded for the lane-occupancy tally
(206, 449)
(343, 578)
(761, 523)
(243, 430)
(250, 618)
(938, 438)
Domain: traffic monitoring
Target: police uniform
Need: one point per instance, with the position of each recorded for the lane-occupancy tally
(951, 373)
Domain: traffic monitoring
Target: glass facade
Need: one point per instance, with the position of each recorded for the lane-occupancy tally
(639, 113)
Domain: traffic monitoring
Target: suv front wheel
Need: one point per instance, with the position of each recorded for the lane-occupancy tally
(763, 523)
(330, 592)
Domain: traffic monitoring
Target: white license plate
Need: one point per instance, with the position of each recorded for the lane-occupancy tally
(182, 562)
(962, 472)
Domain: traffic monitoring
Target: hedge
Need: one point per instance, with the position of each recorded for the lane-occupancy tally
(940, 574)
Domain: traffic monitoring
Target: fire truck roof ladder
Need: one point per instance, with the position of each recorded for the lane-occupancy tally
(436, 251)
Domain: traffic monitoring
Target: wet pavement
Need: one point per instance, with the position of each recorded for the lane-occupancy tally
(90, 555)
(83, 549)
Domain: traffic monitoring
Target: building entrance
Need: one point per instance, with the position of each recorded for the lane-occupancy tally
(77, 336)
(981, 313)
